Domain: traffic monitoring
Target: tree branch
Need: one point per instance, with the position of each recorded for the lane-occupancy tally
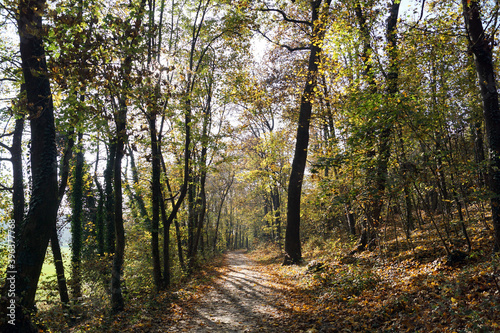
(286, 18)
(421, 15)
(289, 48)
(5, 188)
(3, 145)
(6, 134)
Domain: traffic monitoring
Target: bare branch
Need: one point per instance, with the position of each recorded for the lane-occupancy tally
(286, 18)
(3, 145)
(421, 15)
(6, 135)
(5, 188)
(289, 48)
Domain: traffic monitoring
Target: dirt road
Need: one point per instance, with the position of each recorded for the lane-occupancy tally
(240, 301)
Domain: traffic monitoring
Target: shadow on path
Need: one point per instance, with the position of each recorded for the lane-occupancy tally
(239, 301)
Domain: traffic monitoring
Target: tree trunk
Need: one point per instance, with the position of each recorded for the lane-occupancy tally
(275, 196)
(18, 200)
(99, 224)
(191, 219)
(110, 201)
(42, 215)
(293, 252)
(172, 218)
(223, 198)
(384, 149)
(155, 203)
(117, 303)
(76, 222)
(482, 50)
(54, 239)
(166, 244)
(59, 263)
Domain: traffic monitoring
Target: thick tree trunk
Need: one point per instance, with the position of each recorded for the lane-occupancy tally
(482, 49)
(42, 215)
(18, 200)
(293, 251)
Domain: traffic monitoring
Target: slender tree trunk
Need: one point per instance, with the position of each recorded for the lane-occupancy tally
(201, 200)
(384, 149)
(223, 198)
(166, 244)
(59, 263)
(293, 251)
(482, 49)
(202, 207)
(110, 201)
(117, 303)
(76, 222)
(54, 239)
(191, 203)
(155, 203)
(275, 195)
(99, 224)
(176, 223)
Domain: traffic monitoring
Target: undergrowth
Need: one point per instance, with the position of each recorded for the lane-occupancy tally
(395, 288)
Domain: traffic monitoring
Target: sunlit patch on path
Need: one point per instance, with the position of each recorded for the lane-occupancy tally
(239, 301)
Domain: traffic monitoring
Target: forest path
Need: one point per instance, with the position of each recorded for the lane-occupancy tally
(240, 300)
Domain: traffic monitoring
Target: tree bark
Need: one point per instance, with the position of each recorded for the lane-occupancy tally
(59, 264)
(17, 175)
(109, 245)
(166, 244)
(293, 251)
(117, 302)
(155, 202)
(54, 239)
(42, 214)
(481, 47)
